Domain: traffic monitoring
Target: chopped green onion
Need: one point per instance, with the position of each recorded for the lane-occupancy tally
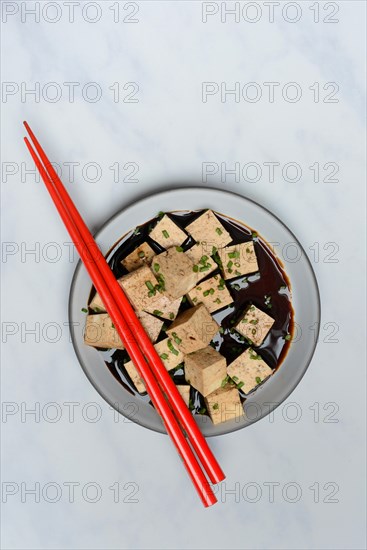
(254, 234)
(234, 254)
(224, 381)
(156, 267)
(254, 321)
(258, 380)
(171, 348)
(195, 268)
(287, 337)
(215, 406)
(84, 310)
(219, 231)
(171, 315)
(179, 248)
(206, 293)
(157, 312)
(239, 385)
(235, 378)
(149, 285)
(164, 356)
(165, 233)
(141, 254)
(176, 338)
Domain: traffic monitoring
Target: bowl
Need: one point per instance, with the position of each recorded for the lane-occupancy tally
(305, 301)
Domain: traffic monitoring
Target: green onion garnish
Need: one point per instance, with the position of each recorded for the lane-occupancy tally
(176, 338)
(171, 348)
(165, 233)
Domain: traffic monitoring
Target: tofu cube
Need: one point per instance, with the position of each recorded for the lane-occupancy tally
(171, 358)
(100, 332)
(184, 391)
(138, 382)
(167, 233)
(239, 259)
(177, 272)
(208, 226)
(255, 325)
(151, 325)
(169, 353)
(164, 307)
(205, 370)
(224, 404)
(200, 257)
(248, 370)
(139, 286)
(142, 255)
(213, 293)
(193, 329)
(142, 297)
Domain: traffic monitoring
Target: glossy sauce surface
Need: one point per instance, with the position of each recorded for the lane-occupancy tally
(268, 289)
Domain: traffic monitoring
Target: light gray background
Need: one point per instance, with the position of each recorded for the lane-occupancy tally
(315, 439)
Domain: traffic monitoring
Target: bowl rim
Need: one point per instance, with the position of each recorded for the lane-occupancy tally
(166, 192)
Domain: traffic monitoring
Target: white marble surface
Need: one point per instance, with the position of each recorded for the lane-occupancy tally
(168, 134)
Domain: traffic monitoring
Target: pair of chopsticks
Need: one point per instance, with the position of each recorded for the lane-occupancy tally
(163, 392)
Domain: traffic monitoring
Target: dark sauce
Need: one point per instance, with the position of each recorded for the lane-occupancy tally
(268, 289)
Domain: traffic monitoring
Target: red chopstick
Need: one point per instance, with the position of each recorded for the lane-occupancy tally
(117, 305)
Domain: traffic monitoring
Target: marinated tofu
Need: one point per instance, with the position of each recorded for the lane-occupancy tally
(169, 353)
(248, 370)
(205, 369)
(144, 292)
(100, 331)
(209, 231)
(167, 233)
(176, 271)
(142, 255)
(200, 257)
(135, 377)
(184, 391)
(238, 260)
(224, 404)
(140, 286)
(164, 307)
(171, 358)
(212, 293)
(255, 325)
(193, 329)
(151, 325)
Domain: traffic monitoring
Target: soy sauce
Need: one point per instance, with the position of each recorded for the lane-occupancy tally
(268, 290)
